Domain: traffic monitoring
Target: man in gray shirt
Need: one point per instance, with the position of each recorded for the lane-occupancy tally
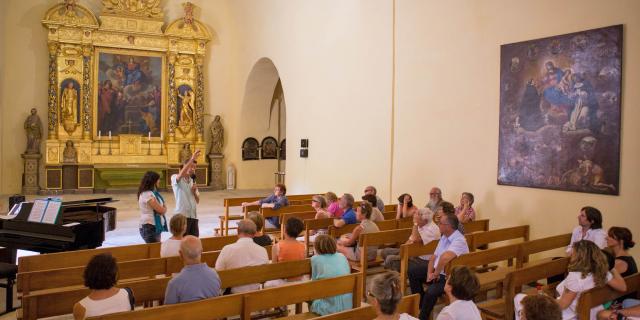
(196, 281)
(372, 190)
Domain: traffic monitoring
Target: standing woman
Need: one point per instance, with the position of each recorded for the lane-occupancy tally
(152, 208)
(405, 206)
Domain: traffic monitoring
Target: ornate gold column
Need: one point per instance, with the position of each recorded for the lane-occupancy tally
(87, 113)
(199, 121)
(173, 110)
(53, 91)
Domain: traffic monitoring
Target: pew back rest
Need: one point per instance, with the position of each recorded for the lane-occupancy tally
(392, 236)
(474, 259)
(413, 250)
(600, 295)
(306, 291)
(271, 212)
(542, 245)
(213, 308)
(476, 226)
(409, 304)
(516, 279)
(484, 238)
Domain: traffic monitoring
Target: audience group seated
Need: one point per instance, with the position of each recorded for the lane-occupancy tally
(437, 221)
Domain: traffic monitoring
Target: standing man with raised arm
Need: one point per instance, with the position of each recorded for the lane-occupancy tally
(186, 193)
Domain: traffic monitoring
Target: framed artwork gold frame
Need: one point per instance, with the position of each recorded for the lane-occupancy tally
(96, 85)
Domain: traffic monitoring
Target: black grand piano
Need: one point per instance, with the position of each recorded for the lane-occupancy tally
(80, 225)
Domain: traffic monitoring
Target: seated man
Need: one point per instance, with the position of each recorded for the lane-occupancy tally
(435, 198)
(243, 253)
(276, 201)
(376, 214)
(452, 244)
(589, 228)
(349, 216)
(196, 281)
(379, 203)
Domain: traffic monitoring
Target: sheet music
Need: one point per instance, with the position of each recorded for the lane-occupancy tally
(37, 211)
(51, 213)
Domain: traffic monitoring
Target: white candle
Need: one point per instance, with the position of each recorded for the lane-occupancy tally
(160, 136)
(149, 135)
(109, 134)
(99, 134)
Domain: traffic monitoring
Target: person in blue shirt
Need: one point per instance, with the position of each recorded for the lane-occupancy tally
(349, 216)
(276, 201)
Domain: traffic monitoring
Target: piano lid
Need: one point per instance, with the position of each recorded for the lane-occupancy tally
(88, 202)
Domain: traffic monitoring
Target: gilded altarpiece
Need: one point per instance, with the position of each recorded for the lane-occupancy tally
(126, 88)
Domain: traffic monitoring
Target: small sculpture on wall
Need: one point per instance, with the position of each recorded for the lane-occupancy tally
(283, 149)
(250, 149)
(217, 136)
(33, 126)
(69, 101)
(70, 154)
(185, 153)
(186, 105)
(269, 148)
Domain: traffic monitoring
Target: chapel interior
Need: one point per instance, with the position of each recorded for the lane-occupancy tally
(330, 95)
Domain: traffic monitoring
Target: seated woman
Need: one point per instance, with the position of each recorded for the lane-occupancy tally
(319, 203)
(288, 249)
(619, 241)
(101, 275)
(171, 246)
(540, 307)
(333, 205)
(465, 211)
(276, 201)
(376, 214)
(587, 268)
(405, 206)
(348, 244)
(461, 287)
(384, 295)
(260, 238)
(327, 263)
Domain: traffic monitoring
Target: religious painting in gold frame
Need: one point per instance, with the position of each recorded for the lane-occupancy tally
(130, 92)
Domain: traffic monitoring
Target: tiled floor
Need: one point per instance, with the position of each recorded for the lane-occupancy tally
(126, 232)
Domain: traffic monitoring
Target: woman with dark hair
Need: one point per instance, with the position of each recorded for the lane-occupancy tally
(101, 275)
(619, 240)
(587, 269)
(152, 208)
(461, 287)
(348, 244)
(405, 206)
(589, 228)
(384, 295)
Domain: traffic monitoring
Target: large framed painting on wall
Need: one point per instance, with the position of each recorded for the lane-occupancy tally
(560, 112)
(130, 92)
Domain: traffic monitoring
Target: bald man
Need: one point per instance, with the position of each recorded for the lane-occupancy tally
(196, 281)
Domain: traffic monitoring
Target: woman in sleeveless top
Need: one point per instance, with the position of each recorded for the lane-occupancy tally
(619, 241)
(348, 244)
(100, 276)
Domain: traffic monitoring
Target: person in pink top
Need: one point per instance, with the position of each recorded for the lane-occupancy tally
(465, 211)
(333, 206)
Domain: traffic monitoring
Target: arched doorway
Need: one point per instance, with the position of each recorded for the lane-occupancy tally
(263, 117)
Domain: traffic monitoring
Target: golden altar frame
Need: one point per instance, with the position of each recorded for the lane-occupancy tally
(76, 38)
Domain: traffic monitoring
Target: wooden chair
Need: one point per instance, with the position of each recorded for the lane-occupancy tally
(303, 292)
(409, 304)
(35, 305)
(601, 295)
(504, 308)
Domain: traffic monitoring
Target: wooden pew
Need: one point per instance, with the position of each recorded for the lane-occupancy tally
(503, 308)
(598, 296)
(541, 245)
(314, 224)
(412, 250)
(409, 304)
(310, 215)
(121, 253)
(35, 305)
(377, 239)
(404, 223)
(483, 239)
(305, 291)
(382, 225)
(476, 226)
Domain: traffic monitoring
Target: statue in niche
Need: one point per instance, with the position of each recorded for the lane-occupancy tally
(217, 136)
(69, 155)
(33, 126)
(186, 108)
(68, 102)
(185, 153)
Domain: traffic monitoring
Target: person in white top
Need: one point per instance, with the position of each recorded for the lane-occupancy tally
(101, 275)
(587, 268)
(186, 193)
(178, 227)
(589, 228)
(461, 287)
(384, 295)
(243, 253)
(151, 203)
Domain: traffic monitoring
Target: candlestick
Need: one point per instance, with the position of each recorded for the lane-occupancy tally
(99, 142)
(109, 142)
(161, 145)
(149, 135)
(149, 145)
